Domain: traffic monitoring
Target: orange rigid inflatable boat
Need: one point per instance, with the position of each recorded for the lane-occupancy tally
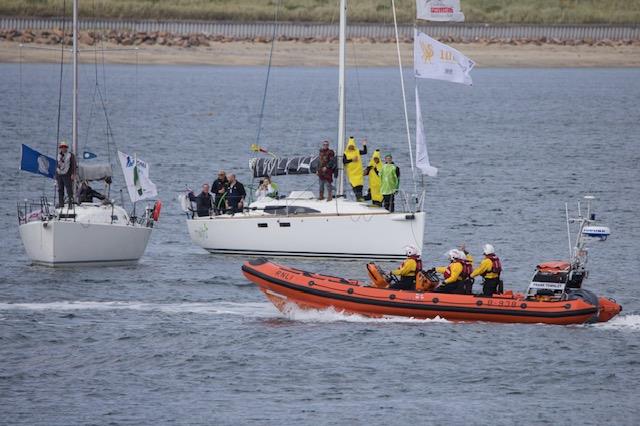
(285, 286)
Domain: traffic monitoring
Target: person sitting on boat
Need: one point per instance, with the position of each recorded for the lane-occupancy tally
(219, 189)
(267, 189)
(235, 195)
(204, 201)
(65, 173)
(408, 270)
(389, 182)
(353, 166)
(86, 194)
(490, 269)
(456, 275)
(373, 172)
(326, 169)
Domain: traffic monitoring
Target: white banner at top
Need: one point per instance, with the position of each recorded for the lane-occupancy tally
(136, 175)
(439, 10)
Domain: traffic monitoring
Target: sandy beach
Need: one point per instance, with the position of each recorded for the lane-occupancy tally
(296, 53)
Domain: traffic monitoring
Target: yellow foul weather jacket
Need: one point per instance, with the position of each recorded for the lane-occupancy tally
(485, 269)
(407, 269)
(453, 271)
(354, 167)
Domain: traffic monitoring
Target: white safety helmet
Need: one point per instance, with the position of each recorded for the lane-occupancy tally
(461, 255)
(411, 250)
(488, 249)
(452, 254)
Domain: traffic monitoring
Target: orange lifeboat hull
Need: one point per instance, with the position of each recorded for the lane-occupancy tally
(285, 286)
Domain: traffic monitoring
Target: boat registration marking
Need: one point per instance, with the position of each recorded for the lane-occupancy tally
(284, 275)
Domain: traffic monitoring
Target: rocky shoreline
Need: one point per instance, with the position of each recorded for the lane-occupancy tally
(161, 38)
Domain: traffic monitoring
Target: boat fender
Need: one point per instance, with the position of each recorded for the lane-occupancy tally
(392, 296)
(156, 210)
(479, 303)
(435, 300)
(311, 283)
(523, 305)
(350, 291)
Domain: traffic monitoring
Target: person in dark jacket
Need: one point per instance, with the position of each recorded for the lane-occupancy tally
(204, 201)
(65, 173)
(219, 189)
(235, 195)
(87, 194)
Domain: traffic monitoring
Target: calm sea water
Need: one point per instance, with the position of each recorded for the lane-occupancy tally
(183, 338)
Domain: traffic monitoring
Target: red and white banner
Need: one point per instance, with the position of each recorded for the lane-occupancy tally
(439, 10)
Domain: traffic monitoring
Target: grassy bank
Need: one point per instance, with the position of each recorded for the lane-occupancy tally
(485, 11)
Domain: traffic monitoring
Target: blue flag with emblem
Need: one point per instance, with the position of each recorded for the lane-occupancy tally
(88, 155)
(34, 162)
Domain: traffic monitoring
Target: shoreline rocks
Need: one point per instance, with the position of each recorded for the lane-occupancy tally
(162, 38)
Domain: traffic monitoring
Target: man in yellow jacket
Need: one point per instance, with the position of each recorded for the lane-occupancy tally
(490, 269)
(373, 172)
(353, 166)
(408, 270)
(456, 275)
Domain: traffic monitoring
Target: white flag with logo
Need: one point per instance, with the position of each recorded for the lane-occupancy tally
(439, 10)
(432, 59)
(422, 157)
(136, 176)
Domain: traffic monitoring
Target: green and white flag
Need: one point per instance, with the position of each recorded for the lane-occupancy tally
(136, 176)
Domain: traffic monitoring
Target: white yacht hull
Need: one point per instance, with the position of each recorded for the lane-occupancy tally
(380, 236)
(68, 243)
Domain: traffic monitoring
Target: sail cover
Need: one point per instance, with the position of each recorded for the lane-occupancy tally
(302, 165)
(94, 171)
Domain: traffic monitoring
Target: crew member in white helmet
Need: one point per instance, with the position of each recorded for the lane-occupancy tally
(489, 269)
(408, 270)
(456, 275)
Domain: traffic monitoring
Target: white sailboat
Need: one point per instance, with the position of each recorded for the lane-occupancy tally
(301, 225)
(83, 233)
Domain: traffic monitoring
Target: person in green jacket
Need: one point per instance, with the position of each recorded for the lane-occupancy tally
(390, 182)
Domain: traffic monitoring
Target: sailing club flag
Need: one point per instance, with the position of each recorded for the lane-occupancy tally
(34, 162)
(136, 175)
(422, 157)
(88, 155)
(432, 59)
(439, 10)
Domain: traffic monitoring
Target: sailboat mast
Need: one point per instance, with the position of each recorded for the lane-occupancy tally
(74, 139)
(341, 96)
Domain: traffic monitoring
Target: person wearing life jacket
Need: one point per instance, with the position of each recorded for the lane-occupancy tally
(489, 269)
(456, 275)
(389, 182)
(468, 255)
(353, 166)
(373, 172)
(408, 270)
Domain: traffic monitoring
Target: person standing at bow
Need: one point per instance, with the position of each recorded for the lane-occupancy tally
(204, 201)
(352, 161)
(490, 269)
(373, 172)
(389, 182)
(65, 173)
(326, 169)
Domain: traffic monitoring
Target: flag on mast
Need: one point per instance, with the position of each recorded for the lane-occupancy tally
(432, 59)
(136, 175)
(439, 10)
(422, 157)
